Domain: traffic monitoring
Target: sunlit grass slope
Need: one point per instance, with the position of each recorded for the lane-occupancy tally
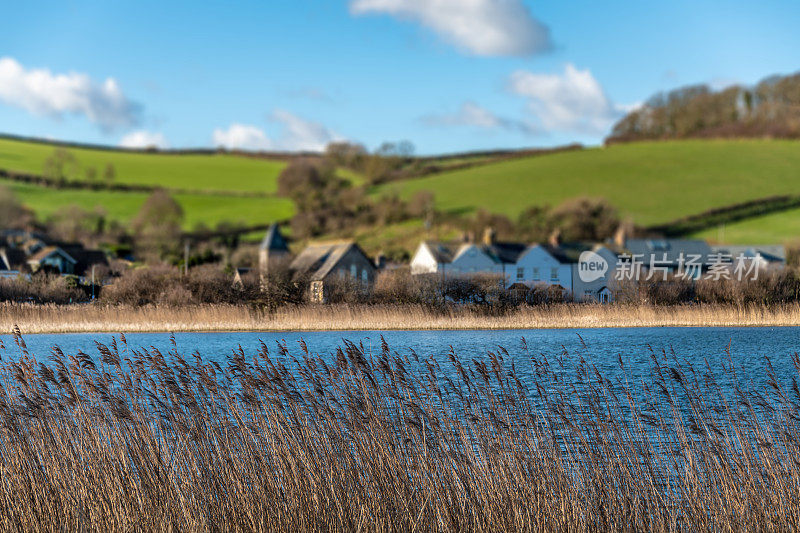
(203, 172)
(651, 182)
(123, 206)
(782, 227)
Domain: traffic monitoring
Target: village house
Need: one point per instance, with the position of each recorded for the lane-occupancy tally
(23, 251)
(766, 256)
(455, 259)
(521, 266)
(663, 257)
(323, 265)
(273, 252)
(53, 259)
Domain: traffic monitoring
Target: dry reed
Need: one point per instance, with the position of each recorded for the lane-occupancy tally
(98, 318)
(291, 441)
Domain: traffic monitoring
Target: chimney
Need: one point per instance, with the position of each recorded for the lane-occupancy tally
(554, 239)
(621, 235)
(488, 236)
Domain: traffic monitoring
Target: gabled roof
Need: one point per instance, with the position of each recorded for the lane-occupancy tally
(499, 252)
(441, 252)
(274, 240)
(47, 251)
(318, 260)
(569, 252)
(505, 252)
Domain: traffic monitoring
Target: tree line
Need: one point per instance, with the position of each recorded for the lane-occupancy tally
(769, 109)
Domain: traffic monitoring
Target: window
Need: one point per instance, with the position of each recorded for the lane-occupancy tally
(353, 271)
(364, 276)
(536, 273)
(554, 273)
(520, 273)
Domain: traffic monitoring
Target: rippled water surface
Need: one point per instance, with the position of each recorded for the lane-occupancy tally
(706, 348)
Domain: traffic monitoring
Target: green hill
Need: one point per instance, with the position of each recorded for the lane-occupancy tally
(210, 187)
(650, 182)
(207, 209)
(195, 172)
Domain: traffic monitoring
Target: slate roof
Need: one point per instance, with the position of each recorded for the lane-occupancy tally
(442, 252)
(770, 253)
(274, 240)
(499, 252)
(505, 252)
(671, 247)
(318, 260)
(568, 252)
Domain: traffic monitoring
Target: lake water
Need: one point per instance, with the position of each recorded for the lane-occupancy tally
(704, 348)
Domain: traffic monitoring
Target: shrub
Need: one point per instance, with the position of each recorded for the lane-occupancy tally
(42, 288)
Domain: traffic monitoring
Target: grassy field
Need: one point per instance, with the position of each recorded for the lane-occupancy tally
(783, 227)
(217, 172)
(123, 206)
(649, 182)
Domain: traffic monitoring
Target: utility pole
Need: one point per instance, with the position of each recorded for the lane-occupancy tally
(92, 282)
(186, 258)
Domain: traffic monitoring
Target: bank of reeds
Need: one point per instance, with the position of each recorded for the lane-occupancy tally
(90, 318)
(286, 440)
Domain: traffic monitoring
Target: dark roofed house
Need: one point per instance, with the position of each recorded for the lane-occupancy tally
(272, 251)
(669, 254)
(323, 264)
(53, 258)
(12, 259)
(86, 259)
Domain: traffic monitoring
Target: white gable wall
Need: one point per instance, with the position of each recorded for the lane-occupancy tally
(538, 266)
(423, 261)
(471, 260)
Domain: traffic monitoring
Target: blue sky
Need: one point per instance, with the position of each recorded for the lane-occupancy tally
(448, 75)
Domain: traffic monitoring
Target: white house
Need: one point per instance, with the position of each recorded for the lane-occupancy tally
(539, 264)
(466, 258)
(552, 265)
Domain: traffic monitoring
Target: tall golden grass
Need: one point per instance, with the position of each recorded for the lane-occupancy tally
(87, 318)
(137, 439)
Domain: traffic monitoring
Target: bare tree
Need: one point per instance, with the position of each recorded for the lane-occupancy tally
(157, 226)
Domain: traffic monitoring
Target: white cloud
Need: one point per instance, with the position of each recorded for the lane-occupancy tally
(471, 114)
(572, 101)
(480, 27)
(297, 135)
(242, 137)
(41, 92)
(144, 139)
(302, 135)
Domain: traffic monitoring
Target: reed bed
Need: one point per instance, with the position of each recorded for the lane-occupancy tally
(286, 439)
(89, 318)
